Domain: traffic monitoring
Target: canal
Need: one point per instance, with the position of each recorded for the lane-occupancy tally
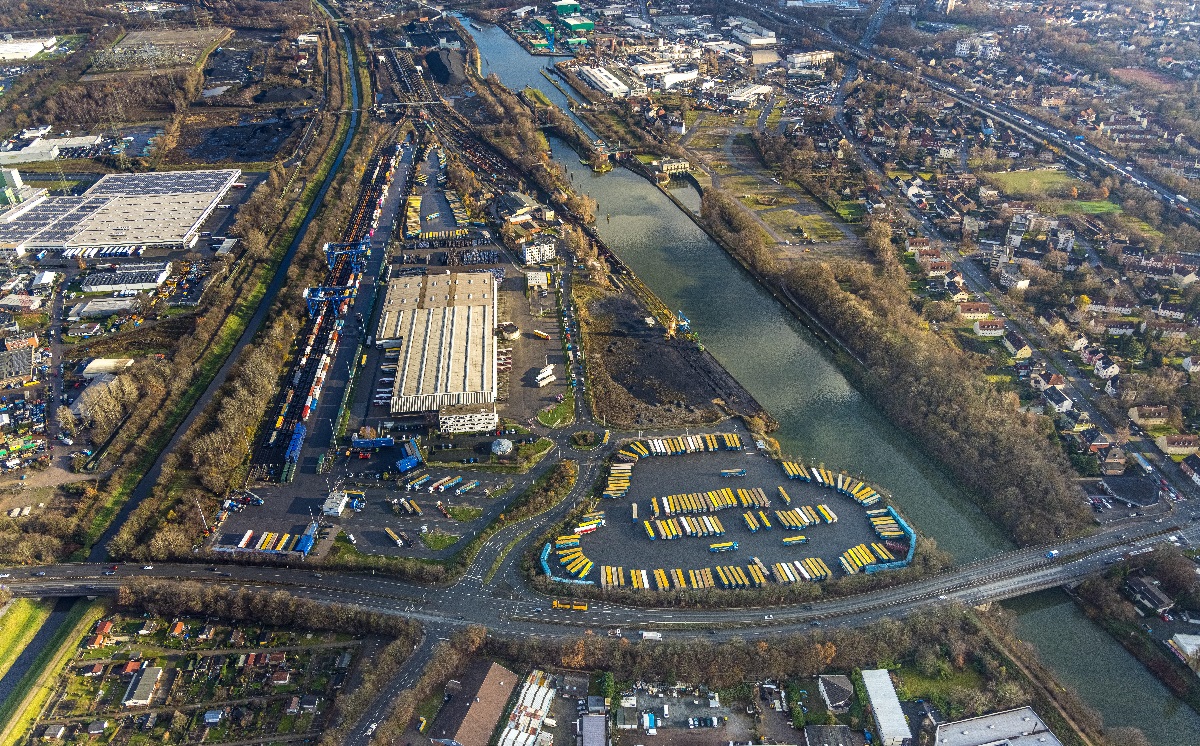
(823, 417)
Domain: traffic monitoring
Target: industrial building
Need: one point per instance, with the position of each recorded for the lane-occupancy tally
(97, 308)
(468, 418)
(809, 59)
(1019, 727)
(163, 210)
(16, 366)
(129, 278)
(890, 724)
(444, 328)
(474, 707)
(604, 81)
(23, 49)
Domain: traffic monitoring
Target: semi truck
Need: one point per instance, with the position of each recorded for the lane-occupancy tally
(651, 635)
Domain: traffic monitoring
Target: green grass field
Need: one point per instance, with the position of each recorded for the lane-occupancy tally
(18, 626)
(819, 229)
(436, 540)
(465, 513)
(1030, 184)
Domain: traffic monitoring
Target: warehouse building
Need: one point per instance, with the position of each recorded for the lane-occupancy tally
(130, 278)
(1019, 727)
(23, 49)
(604, 81)
(890, 724)
(147, 210)
(444, 327)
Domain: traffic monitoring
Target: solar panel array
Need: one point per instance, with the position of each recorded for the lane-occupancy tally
(165, 183)
(118, 200)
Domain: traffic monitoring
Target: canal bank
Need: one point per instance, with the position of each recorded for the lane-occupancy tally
(822, 416)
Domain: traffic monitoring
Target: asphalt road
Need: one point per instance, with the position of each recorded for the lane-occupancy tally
(505, 606)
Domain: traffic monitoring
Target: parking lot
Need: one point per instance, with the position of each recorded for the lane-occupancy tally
(623, 543)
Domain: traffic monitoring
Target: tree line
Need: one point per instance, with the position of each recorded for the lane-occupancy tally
(1007, 460)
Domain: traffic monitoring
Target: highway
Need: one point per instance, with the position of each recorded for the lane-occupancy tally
(506, 606)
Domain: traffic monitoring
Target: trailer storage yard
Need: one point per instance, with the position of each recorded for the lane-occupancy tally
(707, 511)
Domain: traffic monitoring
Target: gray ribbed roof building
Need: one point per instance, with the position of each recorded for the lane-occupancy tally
(445, 329)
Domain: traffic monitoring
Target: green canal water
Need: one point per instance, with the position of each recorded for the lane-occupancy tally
(823, 417)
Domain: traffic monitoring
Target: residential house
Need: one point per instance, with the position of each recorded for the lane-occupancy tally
(1017, 346)
(1147, 416)
(213, 718)
(177, 629)
(974, 311)
(56, 732)
(1093, 439)
(1191, 363)
(1075, 420)
(837, 692)
(938, 268)
(131, 668)
(989, 328)
(1172, 311)
(97, 727)
(1011, 277)
(1145, 590)
(1191, 467)
(293, 707)
(309, 702)
(281, 678)
(1114, 462)
(1118, 328)
(95, 641)
(1057, 400)
(1042, 381)
(1112, 386)
(1105, 367)
(1177, 445)
(92, 671)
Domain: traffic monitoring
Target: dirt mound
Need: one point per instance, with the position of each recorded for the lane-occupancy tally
(284, 95)
(640, 379)
(447, 67)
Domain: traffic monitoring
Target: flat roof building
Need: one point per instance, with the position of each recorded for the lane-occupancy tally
(604, 81)
(593, 730)
(445, 325)
(1019, 727)
(890, 725)
(150, 209)
(129, 278)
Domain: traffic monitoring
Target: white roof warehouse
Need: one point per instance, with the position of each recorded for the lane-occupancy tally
(445, 326)
(890, 724)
